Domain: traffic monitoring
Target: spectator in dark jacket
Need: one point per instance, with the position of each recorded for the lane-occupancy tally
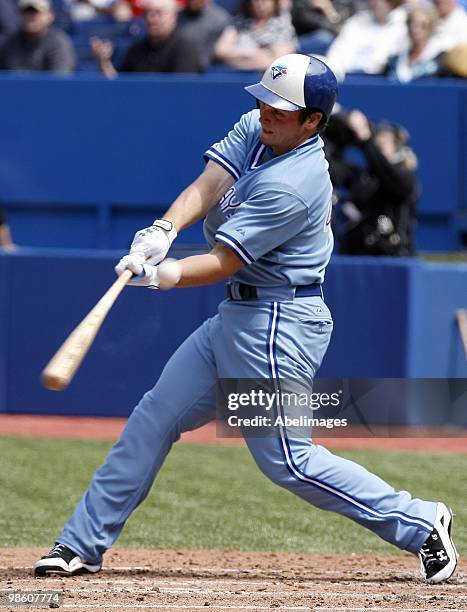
(379, 202)
(313, 15)
(164, 49)
(203, 21)
(37, 45)
(9, 21)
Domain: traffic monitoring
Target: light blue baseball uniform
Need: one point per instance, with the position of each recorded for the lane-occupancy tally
(276, 218)
(277, 214)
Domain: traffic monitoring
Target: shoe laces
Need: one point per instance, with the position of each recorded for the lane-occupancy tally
(58, 549)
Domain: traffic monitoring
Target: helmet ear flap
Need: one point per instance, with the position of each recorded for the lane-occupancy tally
(320, 87)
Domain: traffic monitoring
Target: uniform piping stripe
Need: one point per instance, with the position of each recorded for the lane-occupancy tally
(257, 157)
(271, 340)
(310, 141)
(295, 471)
(259, 150)
(223, 161)
(235, 246)
(270, 361)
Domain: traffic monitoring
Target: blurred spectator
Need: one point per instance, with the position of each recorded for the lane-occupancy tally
(315, 15)
(37, 45)
(451, 29)
(368, 39)
(259, 35)
(164, 48)
(421, 57)
(377, 202)
(6, 242)
(9, 22)
(454, 62)
(203, 21)
(323, 15)
(317, 22)
(85, 10)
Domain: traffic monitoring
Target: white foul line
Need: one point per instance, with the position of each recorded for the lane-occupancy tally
(246, 607)
(148, 568)
(296, 593)
(190, 607)
(178, 582)
(346, 609)
(236, 582)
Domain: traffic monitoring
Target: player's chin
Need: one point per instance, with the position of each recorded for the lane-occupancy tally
(266, 138)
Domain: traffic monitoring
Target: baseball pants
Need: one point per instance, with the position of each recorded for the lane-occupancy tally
(246, 339)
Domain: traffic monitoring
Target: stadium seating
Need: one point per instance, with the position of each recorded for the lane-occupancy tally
(104, 156)
(121, 34)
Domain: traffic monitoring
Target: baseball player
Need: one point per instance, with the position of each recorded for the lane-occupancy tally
(265, 195)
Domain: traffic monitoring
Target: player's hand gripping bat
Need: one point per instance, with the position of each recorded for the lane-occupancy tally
(60, 370)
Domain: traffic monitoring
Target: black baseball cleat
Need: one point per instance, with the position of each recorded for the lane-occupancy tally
(438, 555)
(61, 560)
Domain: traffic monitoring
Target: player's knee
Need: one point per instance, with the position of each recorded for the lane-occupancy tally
(276, 471)
(281, 464)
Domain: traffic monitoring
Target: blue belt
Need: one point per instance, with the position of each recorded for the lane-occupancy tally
(241, 291)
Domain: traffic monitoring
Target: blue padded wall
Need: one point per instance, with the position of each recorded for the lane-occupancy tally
(392, 319)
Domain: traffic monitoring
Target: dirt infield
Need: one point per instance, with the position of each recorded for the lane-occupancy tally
(136, 579)
(104, 428)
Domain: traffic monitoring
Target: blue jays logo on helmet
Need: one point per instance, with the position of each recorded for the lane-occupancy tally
(278, 71)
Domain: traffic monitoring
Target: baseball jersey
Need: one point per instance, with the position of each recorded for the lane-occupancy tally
(276, 217)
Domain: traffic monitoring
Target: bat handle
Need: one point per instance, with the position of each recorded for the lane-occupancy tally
(121, 281)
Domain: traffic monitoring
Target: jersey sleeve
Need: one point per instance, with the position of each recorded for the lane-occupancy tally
(263, 223)
(231, 152)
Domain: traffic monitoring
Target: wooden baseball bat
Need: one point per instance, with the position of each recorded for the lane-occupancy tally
(461, 316)
(60, 370)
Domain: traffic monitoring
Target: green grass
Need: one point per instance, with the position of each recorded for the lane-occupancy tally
(454, 256)
(208, 497)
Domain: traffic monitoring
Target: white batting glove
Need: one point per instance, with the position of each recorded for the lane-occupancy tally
(133, 262)
(145, 275)
(149, 278)
(155, 241)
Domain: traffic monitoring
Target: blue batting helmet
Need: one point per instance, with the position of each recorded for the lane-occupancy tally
(296, 81)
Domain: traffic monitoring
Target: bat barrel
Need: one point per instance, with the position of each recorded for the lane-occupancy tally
(60, 370)
(54, 382)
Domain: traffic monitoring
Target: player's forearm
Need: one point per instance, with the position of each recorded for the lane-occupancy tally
(208, 269)
(200, 270)
(188, 208)
(196, 200)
